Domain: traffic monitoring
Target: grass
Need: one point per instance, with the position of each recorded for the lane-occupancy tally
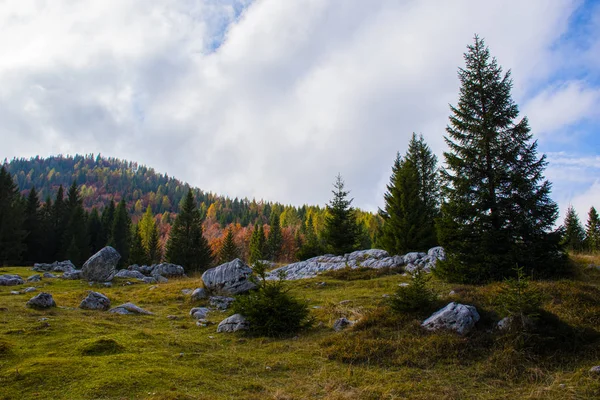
(69, 353)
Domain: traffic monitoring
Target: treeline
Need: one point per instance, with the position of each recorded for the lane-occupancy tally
(579, 239)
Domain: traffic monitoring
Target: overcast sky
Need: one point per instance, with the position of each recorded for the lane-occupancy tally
(271, 99)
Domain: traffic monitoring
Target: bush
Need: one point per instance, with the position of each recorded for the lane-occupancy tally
(271, 310)
(519, 301)
(360, 273)
(416, 297)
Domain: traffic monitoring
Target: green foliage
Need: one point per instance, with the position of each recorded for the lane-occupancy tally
(229, 250)
(574, 235)
(592, 232)
(257, 244)
(33, 227)
(154, 252)
(519, 300)
(411, 202)
(11, 220)
(101, 347)
(311, 246)
(275, 239)
(497, 211)
(120, 237)
(360, 273)
(187, 246)
(75, 237)
(94, 228)
(137, 253)
(341, 231)
(270, 309)
(417, 297)
(147, 225)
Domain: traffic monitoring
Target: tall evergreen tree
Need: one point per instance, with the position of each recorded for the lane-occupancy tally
(229, 251)
(497, 211)
(32, 226)
(341, 230)
(47, 231)
(59, 224)
(275, 238)
(154, 251)
(11, 220)
(186, 245)
(147, 225)
(137, 252)
(310, 246)
(94, 228)
(257, 244)
(574, 235)
(120, 237)
(108, 218)
(592, 234)
(75, 238)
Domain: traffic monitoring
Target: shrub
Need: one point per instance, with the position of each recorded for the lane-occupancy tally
(271, 310)
(519, 301)
(360, 273)
(416, 297)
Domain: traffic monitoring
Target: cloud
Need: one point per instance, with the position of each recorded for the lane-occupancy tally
(266, 99)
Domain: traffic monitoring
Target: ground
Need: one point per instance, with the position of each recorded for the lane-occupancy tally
(69, 353)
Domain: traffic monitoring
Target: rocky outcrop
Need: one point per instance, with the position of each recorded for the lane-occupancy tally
(425, 261)
(221, 302)
(235, 323)
(95, 301)
(168, 270)
(455, 317)
(129, 308)
(56, 266)
(42, 300)
(199, 294)
(129, 274)
(199, 312)
(101, 266)
(229, 279)
(11, 280)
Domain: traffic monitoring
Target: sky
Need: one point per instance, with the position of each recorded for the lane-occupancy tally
(271, 99)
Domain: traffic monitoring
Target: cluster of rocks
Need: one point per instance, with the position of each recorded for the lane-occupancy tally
(56, 266)
(11, 280)
(372, 258)
(156, 273)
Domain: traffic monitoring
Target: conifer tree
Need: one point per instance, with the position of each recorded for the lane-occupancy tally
(229, 250)
(275, 238)
(137, 252)
(341, 228)
(75, 236)
(592, 234)
(33, 229)
(108, 217)
(154, 252)
(11, 220)
(186, 245)
(310, 246)
(120, 237)
(574, 235)
(497, 212)
(147, 225)
(59, 224)
(257, 244)
(47, 231)
(94, 227)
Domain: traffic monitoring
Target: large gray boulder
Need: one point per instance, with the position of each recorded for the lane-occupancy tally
(42, 300)
(95, 301)
(230, 278)
(72, 275)
(129, 274)
(56, 266)
(11, 280)
(168, 270)
(235, 323)
(101, 266)
(129, 308)
(455, 317)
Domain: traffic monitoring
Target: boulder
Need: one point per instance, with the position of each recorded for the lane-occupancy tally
(34, 278)
(29, 289)
(129, 274)
(49, 275)
(101, 266)
(129, 308)
(144, 269)
(72, 275)
(199, 312)
(11, 280)
(160, 279)
(456, 317)
(56, 266)
(168, 270)
(341, 324)
(148, 279)
(221, 302)
(199, 294)
(235, 323)
(42, 300)
(95, 301)
(229, 278)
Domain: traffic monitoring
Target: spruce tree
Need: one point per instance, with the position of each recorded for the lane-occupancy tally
(94, 227)
(257, 244)
(108, 217)
(11, 221)
(147, 225)
(275, 238)
(75, 238)
(341, 230)
(186, 245)
(59, 224)
(154, 251)
(229, 250)
(32, 226)
(592, 234)
(574, 235)
(120, 237)
(137, 252)
(497, 212)
(47, 231)
(310, 247)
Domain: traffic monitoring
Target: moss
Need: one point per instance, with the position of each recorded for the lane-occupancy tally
(101, 347)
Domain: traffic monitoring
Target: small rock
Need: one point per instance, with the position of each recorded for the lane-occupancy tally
(341, 324)
(510, 323)
(321, 284)
(43, 319)
(452, 293)
(49, 275)
(457, 317)
(316, 307)
(129, 274)
(34, 278)
(595, 370)
(562, 386)
(173, 317)
(95, 301)
(14, 292)
(152, 287)
(221, 302)
(199, 294)
(129, 308)
(235, 323)
(42, 300)
(403, 284)
(199, 312)
(203, 322)
(345, 302)
(186, 291)
(107, 284)
(28, 290)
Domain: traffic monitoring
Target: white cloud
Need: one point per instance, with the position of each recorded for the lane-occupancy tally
(297, 91)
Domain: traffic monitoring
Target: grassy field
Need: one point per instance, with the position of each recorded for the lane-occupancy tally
(69, 353)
